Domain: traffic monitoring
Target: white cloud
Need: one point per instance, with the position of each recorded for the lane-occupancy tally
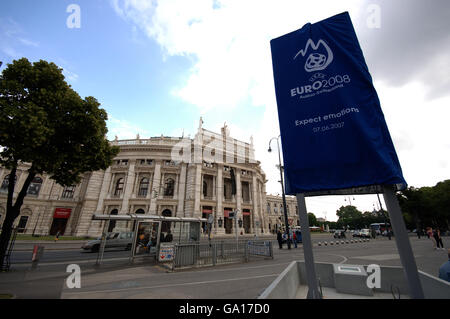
(124, 129)
(229, 44)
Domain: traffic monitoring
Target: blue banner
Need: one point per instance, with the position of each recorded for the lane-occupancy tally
(333, 131)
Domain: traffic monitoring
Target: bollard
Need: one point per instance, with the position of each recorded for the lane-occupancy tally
(331, 243)
(325, 243)
(351, 241)
(342, 242)
(319, 243)
(38, 251)
(337, 242)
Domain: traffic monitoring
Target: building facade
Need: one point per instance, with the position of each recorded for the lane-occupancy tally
(166, 176)
(275, 212)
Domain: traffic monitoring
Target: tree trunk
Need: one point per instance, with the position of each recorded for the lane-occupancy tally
(13, 211)
(5, 237)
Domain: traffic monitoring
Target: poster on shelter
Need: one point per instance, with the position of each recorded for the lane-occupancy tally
(333, 131)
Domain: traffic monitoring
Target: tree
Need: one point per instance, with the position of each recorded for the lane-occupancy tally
(349, 216)
(312, 220)
(45, 123)
(426, 206)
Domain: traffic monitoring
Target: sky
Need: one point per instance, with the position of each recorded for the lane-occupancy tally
(157, 66)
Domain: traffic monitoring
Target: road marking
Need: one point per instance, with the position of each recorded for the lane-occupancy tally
(379, 257)
(345, 258)
(168, 286)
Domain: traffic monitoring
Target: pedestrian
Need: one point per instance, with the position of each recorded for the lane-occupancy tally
(389, 233)
(57, 236)
(431, 237)
(280, 239)
(418, 233)
(444, 270)
(438, 239)
(294, 237)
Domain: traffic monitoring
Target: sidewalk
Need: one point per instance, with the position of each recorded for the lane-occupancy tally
(28, 245)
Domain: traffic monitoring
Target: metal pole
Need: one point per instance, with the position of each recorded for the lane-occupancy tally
(286, 221)
(133, 246)
(103, 243)
(236, 226)
(384, 215)
(403, 243)
(311, 277)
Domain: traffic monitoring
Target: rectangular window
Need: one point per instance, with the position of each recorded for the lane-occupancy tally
(68, 192)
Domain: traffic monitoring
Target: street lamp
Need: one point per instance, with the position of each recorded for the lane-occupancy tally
(282, 189)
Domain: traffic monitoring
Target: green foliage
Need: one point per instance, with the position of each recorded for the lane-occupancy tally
(43, 121)
(312, 220)
(426, 206)
(352, 217)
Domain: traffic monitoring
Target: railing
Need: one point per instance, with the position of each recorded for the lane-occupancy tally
(219, 252)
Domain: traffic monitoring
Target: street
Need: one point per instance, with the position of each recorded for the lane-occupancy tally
(116, 278)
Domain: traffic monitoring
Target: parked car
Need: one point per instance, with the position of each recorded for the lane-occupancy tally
(113, 240)
(365, 233)
(340, 233)
(357, 233)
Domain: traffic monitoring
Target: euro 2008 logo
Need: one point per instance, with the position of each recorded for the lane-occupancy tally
(319, 59)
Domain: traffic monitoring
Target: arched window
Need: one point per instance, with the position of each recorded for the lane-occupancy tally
(119, 187)
(169, 187)
(68, 191)
(143, 187)
(35, 186)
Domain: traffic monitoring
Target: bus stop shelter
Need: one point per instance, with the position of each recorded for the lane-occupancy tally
(150, 236)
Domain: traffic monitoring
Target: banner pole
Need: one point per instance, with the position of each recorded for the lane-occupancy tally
(403, 243)
(311, 277)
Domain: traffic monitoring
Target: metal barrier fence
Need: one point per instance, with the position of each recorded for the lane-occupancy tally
(219, 252)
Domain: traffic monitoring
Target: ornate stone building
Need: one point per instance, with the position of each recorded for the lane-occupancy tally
(166, 176)
(275, 212)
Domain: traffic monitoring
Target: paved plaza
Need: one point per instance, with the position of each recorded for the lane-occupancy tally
(237, 281)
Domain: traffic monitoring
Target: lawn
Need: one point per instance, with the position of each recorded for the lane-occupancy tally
(49, 238)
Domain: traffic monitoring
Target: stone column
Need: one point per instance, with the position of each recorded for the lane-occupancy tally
(238, 190)
(104, 190)
(175, 191)
(128, 189)
(150, 187)
(238, 200)
(181, 190)
(155, 186)
(255, 212)
(219, 202)
(198, 190)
